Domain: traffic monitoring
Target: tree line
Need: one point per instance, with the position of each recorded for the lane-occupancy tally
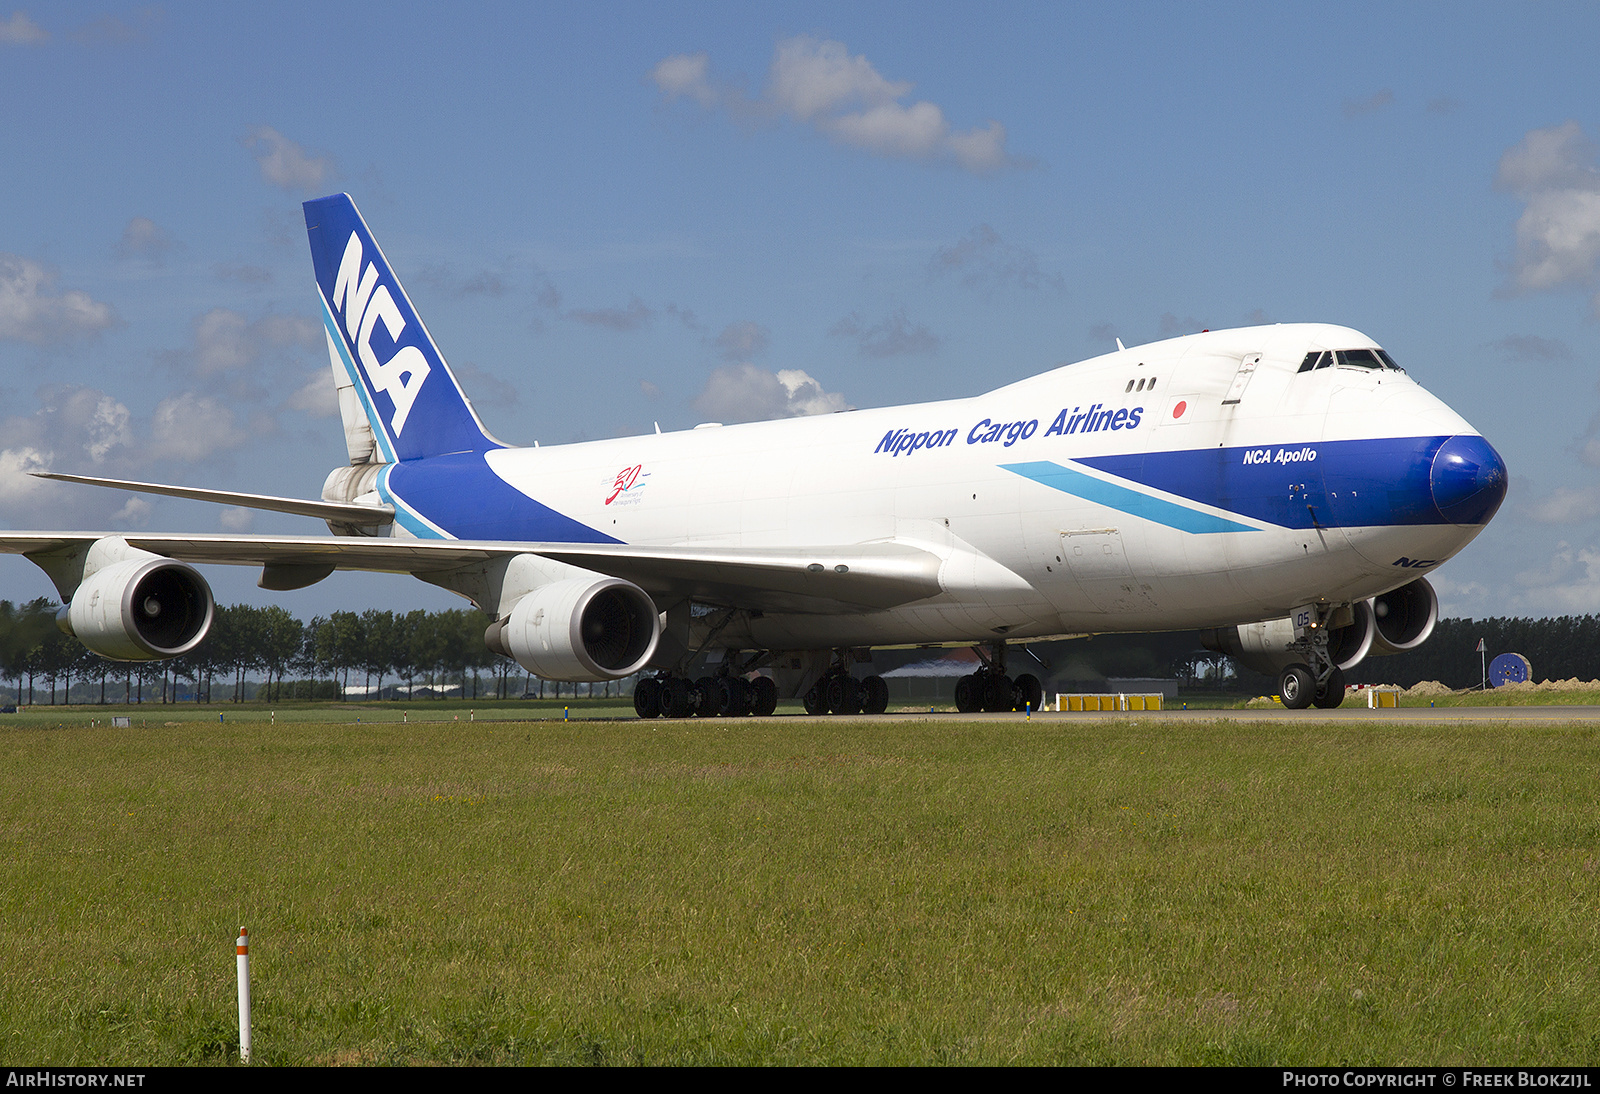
(333, 656)
(322, 659)
(1562, 648)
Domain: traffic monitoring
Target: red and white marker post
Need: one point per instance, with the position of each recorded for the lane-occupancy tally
(243, 950)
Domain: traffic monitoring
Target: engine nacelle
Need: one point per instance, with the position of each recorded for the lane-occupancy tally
(1401, 619)
(1265, 647)
(1405, 617)
(145, 608)
(585, 628)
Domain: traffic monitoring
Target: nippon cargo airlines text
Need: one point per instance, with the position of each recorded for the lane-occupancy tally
(898, 442)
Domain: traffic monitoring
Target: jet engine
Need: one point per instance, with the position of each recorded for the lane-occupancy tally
(1405, 617)
(584, 628)
(145, 608)
(1401, 619)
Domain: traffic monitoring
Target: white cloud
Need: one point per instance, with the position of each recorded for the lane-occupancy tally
(75, 429)
(222, 342)
(745, 393)
(31, 311)
(1565, 506)
(236, 518)
(1568, 583)
(809, 78)
(17, 464)
(316, 396)
(683, 75)
(284, 163)
(20, 30)
(134, 512)
(821, 84)
(227, 343)
(80, 424)
(1558, 233)
(189, 427)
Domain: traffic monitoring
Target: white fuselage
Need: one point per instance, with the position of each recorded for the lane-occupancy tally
(979, 482)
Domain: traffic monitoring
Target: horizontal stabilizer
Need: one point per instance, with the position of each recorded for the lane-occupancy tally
(341, 512)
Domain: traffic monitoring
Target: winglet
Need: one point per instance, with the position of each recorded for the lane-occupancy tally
(398, 397)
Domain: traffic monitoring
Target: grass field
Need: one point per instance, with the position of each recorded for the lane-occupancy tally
(789, 892)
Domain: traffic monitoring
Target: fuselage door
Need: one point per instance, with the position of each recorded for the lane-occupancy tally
(1099, 561)
(1247, 369)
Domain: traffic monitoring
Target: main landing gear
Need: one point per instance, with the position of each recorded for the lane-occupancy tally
(840, 693)
(728, 696)
(991, 689)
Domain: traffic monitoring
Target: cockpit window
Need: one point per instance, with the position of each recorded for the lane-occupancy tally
(1389, 361)
(1349, 358)
(1359, 358)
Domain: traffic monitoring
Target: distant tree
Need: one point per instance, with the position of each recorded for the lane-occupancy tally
(279, 636)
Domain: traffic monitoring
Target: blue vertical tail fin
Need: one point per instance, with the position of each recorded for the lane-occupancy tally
(398, 398)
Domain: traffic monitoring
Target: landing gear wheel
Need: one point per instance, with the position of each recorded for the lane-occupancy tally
(647, 698)
(705, 697)
(744, 697)
(844, 695)
(1027, 692)
(816, 700)
(1331, 692)
(765, 696)
(874, 695)
(675, 698)
(725, 697)
(997, 692)
(969, 695)
(1297, 687)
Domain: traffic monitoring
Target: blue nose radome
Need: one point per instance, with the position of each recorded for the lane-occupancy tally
(1468, 480)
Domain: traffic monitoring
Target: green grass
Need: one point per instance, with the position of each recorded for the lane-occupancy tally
(786, 892)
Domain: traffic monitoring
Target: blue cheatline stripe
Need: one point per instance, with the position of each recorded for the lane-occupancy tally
(1123, 499)
(385, 446)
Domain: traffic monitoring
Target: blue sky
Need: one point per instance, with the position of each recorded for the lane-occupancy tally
(614, 215)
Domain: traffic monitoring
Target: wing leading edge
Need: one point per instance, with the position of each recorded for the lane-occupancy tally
(861, 577)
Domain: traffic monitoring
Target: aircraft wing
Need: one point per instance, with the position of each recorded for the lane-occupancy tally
(861, 576)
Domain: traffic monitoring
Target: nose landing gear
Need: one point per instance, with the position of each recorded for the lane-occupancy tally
(1319, 681)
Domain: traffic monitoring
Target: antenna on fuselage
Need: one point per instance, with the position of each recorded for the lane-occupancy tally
(1119, 344)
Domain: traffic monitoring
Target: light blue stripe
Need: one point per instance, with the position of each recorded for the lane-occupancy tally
(1122, 499)
(406, 518)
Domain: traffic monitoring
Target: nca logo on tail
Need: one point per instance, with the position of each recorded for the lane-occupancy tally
(356, 292)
